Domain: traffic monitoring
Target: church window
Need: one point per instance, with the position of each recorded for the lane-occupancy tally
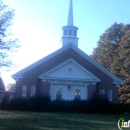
(32, 91)
(110, 95)
(70, 31)
(11, 96)
(59, 94)
(1, 97)
(65, 32)
(77, 94)
(102, 92)
(75, 33)
(24, 89)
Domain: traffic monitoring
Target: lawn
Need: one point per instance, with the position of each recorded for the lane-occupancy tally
(17, 120)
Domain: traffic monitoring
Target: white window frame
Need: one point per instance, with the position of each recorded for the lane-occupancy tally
(1, 97)
(102, 93)
(11, 96)
(110, 95)
(24, 90)
(32, 91)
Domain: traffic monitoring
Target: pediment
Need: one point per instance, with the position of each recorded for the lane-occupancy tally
(70, 69)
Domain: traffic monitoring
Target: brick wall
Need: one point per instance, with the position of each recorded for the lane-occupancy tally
(31, 76)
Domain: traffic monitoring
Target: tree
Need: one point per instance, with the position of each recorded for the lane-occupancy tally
(107, 46)
(2, 86)
(113, 52)
(123, 62)
(11, 87)
(8, 43)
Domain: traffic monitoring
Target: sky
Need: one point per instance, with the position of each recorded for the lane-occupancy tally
(37, 24)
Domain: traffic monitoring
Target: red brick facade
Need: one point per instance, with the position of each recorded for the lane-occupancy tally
(31, 77)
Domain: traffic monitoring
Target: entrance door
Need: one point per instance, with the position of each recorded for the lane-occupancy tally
(77, 94)
(63, 92)
(59, 94)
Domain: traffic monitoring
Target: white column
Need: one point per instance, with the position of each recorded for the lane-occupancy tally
(51, 91)
(86, 92)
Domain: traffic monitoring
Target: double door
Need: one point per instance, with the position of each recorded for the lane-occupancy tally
(68, 92)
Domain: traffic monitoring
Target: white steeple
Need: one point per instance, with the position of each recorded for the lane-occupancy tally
(70, 15)
(70, 31)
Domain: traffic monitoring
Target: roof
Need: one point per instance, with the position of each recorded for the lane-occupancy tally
(19, 74)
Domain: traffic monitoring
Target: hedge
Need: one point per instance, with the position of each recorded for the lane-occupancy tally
(39, 103)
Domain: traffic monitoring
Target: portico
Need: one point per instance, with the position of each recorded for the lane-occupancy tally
(69, 81)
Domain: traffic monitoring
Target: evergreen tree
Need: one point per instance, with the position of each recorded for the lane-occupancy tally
(113, 52)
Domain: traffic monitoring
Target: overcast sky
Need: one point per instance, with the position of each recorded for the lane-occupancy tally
(37, 24)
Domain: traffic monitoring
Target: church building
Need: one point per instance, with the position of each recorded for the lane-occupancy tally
(68, 73)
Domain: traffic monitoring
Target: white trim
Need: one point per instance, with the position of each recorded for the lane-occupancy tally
(41, 61)
(68, 81)
(24, 90)
(3, 91)
(110, 95)
(86, 92)
(117, 85)
(16, 79)
(99, 66)
(1, 97)
(11, 96)
(121, 99)
(33, 90)
(115, 79)
(51, 92)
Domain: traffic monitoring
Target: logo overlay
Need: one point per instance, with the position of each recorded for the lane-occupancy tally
(122, 124)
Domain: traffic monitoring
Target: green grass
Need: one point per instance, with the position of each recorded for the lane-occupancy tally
(17, 120)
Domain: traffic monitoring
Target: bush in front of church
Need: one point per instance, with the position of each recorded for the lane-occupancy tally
(93, 105)
(56, 106)
(102, 105)
(18, 104)
(38, 103)
(3, 104)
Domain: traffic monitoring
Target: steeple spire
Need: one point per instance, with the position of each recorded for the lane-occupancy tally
(70, 15)
(70, 31)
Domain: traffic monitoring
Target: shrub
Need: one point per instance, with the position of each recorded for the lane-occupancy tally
(98, 104)
(38, 103)
(101, 105)
(75, 106)
(3, 104)
(18, 104)
(95, 104)
(126, 108)
(56, 106)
